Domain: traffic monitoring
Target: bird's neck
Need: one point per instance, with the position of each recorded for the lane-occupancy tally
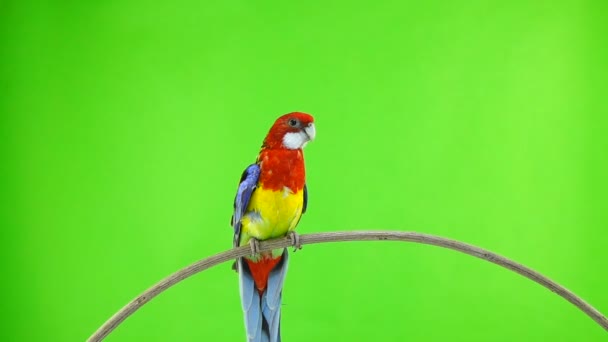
(282, 168)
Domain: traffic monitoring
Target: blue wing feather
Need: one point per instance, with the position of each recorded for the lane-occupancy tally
(247, 186)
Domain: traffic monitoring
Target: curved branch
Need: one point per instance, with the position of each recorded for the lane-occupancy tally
(427, 239)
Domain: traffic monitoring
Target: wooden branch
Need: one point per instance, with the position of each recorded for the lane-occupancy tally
(307, 239)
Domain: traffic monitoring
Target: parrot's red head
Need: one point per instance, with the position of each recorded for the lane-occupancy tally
(291, 131)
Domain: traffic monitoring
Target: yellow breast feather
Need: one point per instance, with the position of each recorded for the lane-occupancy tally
(271, 214)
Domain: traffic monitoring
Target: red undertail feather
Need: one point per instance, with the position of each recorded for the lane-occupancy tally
(260, 270)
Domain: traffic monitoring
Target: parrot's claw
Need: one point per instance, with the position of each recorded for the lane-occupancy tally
(295, 240)
(255, 246)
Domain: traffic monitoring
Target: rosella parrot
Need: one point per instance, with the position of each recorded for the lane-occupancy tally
(269, 203)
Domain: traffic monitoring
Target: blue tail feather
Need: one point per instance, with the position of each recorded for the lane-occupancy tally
(262, 315)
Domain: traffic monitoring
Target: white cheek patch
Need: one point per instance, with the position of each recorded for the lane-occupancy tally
(294, 140)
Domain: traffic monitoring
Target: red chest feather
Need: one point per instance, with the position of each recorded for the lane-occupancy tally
(282, 168)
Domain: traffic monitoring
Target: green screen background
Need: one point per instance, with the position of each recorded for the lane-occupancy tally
(128, 123)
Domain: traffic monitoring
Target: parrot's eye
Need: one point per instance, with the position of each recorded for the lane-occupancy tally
(293, 122)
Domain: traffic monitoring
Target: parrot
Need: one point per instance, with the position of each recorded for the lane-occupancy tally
(270, 200)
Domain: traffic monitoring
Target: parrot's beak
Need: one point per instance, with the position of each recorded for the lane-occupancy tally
(310, 131)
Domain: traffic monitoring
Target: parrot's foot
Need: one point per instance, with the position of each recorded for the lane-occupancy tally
(255, 246)
(295, 240)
